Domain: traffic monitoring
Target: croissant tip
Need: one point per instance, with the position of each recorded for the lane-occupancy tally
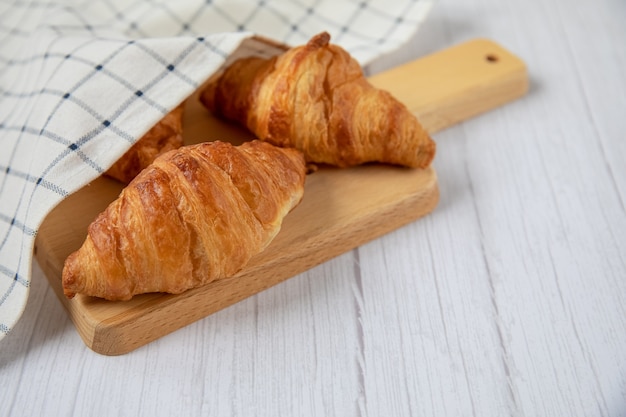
(68, 284)
(320, 40)
(68, 277)
(427, 154)
(207, 97)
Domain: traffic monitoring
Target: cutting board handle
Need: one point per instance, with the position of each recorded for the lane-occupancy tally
(457, 83)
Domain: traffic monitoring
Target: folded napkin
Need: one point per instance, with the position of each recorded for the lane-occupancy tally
(82, 81)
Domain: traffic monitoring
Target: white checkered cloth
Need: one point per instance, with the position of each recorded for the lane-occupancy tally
(80, 81)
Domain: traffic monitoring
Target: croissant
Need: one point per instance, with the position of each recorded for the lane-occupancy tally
(162, 137)
(195, 215)
(315, 98)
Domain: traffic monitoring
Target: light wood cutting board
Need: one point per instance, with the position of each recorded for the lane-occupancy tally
(341, 209)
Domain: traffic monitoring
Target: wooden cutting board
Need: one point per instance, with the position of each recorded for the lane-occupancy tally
(341, 209)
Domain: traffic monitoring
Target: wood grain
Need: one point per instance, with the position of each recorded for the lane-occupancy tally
(342, 209)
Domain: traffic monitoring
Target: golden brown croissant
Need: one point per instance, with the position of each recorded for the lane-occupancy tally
(196, 214)
(164, 136)
(315, 98)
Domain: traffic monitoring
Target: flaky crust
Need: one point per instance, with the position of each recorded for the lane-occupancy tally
(195, 215)
(315, 98)
(166, 135)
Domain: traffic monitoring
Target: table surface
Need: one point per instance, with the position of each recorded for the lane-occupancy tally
(507, 300)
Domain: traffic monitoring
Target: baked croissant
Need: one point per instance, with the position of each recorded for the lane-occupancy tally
(315, 98)
(162, 137)
(195, 215)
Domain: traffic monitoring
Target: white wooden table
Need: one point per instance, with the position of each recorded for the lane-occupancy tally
(508, 300)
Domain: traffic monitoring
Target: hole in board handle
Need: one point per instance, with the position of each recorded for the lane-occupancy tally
(492, 58)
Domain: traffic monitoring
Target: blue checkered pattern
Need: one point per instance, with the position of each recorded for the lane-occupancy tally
(79, 83)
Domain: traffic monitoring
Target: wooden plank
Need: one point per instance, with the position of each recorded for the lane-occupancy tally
(457, 83)
(341, 209)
